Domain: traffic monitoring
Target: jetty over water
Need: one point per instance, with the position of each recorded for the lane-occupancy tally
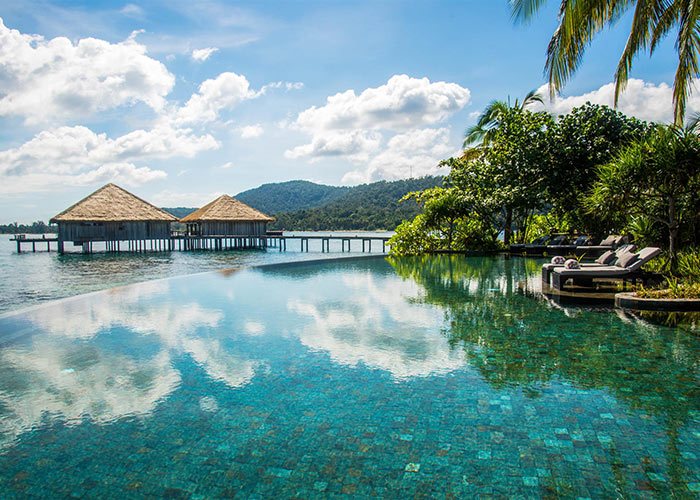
(183, 242)
(114, 220)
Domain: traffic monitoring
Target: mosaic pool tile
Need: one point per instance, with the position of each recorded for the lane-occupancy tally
(420, 378)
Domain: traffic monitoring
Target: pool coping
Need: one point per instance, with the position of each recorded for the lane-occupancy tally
(628, 300)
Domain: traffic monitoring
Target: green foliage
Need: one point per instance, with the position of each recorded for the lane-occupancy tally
(656, 177)
(38, 227)
(290, 196)
(581, 20)
(413, 237)
(644, 230)
(675, 289)
(372, 206)
(588, 136)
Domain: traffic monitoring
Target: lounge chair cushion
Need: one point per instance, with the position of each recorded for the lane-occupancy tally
(559, 240)
(609, 241)
(626, 259)
(606, 258)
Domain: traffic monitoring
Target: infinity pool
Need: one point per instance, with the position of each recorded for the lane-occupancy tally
(399, 378)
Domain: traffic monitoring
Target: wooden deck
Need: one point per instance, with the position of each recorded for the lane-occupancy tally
(181, 242)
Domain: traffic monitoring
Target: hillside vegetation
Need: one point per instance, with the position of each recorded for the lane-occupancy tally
(304, 205)
(366, 207)
(290, 196)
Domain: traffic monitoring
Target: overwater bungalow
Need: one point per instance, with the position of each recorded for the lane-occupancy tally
(227, 218)
(112, 215)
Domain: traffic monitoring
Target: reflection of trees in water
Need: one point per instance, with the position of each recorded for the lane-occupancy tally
(514, 340)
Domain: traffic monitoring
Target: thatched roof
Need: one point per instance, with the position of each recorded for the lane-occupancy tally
(226, 208)
(111, 203)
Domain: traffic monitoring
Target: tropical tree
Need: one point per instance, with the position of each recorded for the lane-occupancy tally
(581, 20)
(656, 177)
(588, 136)
(519, 160)
(481, 134)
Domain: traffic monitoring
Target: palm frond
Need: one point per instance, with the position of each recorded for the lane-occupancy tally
(524, 10)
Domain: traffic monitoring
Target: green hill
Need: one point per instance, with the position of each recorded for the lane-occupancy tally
(290, 196)
(372, 206)
(304, 205)
(179, 212)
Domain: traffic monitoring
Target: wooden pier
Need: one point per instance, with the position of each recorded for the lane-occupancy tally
(20, 239)
(184, 243)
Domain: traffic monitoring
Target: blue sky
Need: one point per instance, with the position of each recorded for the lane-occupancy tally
(181, 101)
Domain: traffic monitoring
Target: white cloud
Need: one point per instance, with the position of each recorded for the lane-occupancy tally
(641, 99)
(356, 145)
(413, 154)
(203, 54)
(79, 156)
(48, 81)
(227, 165)
(214, 96)
(376, 324)
(402, 103)
(281, 85)
(388, 129)
(131, 10)
(251, 131)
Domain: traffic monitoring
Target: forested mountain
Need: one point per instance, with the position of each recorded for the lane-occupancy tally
(179, 212)
(365, 207)
(290, 196)
(303, 205)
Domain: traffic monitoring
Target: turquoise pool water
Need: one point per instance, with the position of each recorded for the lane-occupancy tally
(416, 377)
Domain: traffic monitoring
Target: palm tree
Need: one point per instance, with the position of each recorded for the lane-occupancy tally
(481, 134)
(581, 20)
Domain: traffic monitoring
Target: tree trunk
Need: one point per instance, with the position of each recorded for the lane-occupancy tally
(672, 233)
(508, 228)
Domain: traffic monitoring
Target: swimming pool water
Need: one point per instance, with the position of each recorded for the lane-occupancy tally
(415, 377)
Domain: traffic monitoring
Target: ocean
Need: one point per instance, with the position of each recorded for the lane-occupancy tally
(32, 278)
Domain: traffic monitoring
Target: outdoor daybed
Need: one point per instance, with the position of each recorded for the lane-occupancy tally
(540, 242)
(627, 268)
(608, 258)
(562, 248)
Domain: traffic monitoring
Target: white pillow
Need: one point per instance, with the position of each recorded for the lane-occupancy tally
(558, 260)
(571, 264)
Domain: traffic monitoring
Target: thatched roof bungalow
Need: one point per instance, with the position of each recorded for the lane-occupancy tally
(226, 216)
(112, 214)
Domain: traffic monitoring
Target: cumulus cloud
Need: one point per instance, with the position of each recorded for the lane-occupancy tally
(251, 131)
(356, 145)
(412, 154)
(215, 95)
(203, 54)
(402, 103)
(641, 99)
(390, 129)
(51, 80)
(79, 156)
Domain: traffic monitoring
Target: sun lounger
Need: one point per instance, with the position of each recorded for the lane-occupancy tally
(521, 247)
(564, 248)
(627, 268)
(608, 258)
